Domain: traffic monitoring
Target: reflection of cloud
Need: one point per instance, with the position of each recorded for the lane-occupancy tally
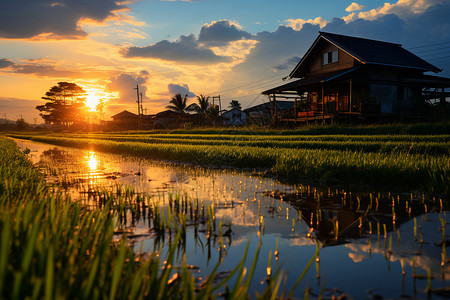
(301, 241)
(357, 258)
(47, 20)
(239, 216)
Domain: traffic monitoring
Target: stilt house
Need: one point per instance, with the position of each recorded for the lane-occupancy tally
(344, 77)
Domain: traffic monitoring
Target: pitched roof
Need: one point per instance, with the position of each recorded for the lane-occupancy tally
(368, 51)
(125, 114)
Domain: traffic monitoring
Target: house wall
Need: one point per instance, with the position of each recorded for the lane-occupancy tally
(385, 95)
(317, 67)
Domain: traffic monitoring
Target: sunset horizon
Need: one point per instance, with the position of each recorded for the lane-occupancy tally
(201, 49)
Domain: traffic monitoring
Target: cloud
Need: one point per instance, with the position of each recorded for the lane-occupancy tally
(185, 50)
(182, 89)
(288, 64)
(402, 9)
(297, 24)
(43, 71)
(222, 32)
(125, 85)
(27, 19)
(4, 63)
(354, 6)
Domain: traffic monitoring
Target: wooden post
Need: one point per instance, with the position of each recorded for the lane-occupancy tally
(443, 104)
(275, 108)
(295, 110)
(323, 105)
(350, 97)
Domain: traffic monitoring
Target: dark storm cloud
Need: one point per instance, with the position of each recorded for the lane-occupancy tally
(4, 63)
(221, 33)
(182, 89)
(186, 50)
(22, 19)
(125, 85)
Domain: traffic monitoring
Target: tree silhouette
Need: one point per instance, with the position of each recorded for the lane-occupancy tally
(65, 106)
(235, 104)
(178, 103)
(201, 106)
(212, 113)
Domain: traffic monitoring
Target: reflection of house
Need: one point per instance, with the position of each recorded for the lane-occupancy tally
(262, 114)
(234, 117)
(348, 77)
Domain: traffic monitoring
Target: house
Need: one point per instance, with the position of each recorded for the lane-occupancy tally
(125, 120)
(262, 114)
(344, 77)
(234, 117)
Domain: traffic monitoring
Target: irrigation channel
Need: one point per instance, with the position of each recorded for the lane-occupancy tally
(370, 244)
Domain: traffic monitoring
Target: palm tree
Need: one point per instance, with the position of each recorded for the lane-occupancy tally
(235, 104)
(203, 104)
(178, 103)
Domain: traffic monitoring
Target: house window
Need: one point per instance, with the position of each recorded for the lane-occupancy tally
(330, 57)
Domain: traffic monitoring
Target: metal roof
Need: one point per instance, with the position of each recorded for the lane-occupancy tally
(368, 51)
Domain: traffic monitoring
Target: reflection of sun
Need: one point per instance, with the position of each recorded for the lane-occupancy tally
(92, 161)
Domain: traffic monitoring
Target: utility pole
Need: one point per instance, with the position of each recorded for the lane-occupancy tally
(220, 103)
(139, 105)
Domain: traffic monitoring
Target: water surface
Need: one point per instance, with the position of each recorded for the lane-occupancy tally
(373, 244)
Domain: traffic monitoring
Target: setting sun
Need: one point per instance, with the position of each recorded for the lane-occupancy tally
(92, 101)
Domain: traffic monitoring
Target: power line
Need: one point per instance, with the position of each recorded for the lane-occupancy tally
(429, 45)
(438, 53)
(245, 84)
(435, 58)
(429, 50)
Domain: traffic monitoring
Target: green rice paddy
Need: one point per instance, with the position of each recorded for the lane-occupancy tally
(407, 160)
(54, 248)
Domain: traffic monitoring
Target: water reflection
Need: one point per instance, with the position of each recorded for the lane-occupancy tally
(372, 244)
(92, 161)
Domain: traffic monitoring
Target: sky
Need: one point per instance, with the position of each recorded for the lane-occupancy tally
(232, 48)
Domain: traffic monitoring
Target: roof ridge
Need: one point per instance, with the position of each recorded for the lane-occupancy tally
(359, 38)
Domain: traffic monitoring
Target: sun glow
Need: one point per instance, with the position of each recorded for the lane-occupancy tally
(92, 101)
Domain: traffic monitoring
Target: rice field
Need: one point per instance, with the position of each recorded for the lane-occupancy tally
(405, 160)
(301, 232)
(54, 248)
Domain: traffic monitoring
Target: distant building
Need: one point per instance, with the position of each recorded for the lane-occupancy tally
(125, 120)
(344, 77)
(234, 117)
(262, 114)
